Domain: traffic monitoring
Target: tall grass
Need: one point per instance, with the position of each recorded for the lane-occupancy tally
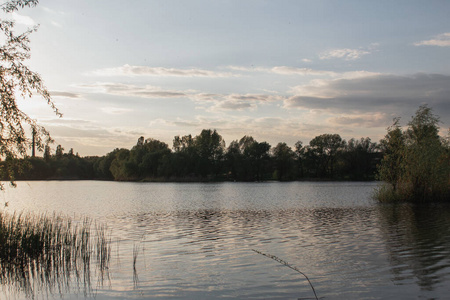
(48, 253)
(385, 193)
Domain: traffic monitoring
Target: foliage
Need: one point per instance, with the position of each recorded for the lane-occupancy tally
(209, 146)
(285, 162)
(416, 162)
(359, 159)
(323, 150)
(18, 81)
(205, 158)
(393, 146)
(257, 155)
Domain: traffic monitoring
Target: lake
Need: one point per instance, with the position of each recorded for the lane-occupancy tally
(195, 240)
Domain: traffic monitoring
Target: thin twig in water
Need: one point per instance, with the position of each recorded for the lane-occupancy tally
(277, 259)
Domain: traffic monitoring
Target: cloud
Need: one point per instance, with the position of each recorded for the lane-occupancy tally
(24, 20)
(127, 70)
(51, 11)
(299, 71)
(366, 120)
(61, 121)
(236, 102)
(56, 24)
(120, 89)
(285, 70)
(253, 97)
(393, 93)
(220, 101)
(347, 54)
(441, 40)
(64, 94)
(73, 132)
(116, 110)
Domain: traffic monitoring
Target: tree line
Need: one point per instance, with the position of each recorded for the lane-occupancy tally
(206, 157)
(414, 162)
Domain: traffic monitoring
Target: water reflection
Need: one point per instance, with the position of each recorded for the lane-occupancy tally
(418, 242)
(195, 241)
(212, 249)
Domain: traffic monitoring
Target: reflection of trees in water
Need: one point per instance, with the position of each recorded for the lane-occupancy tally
(61, 266)
(211, 229)
(418, 242)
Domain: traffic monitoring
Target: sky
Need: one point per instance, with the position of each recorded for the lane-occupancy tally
(280, 71)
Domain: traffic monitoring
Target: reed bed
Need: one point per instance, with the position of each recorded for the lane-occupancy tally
(48, 253)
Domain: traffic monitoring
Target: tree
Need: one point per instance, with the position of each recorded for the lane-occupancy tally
(121, 168)
(181, 143)
(416, 162)
(18, 81)
(47, 154)
(300, 154)
(59, 151)
(210, 146)
(150, 158)
(257, 154)
(284, 159)
(359, 159)
(245, 142)
(426, 163)
(103, 164)
(184, 159)
(324, 148)
(140, 141)
(393, 146)
(234, 160)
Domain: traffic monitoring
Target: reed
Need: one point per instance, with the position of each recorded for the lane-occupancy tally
(386, 194)
(40, 252)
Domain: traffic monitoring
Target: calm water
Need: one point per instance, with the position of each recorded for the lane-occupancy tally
(195, 241)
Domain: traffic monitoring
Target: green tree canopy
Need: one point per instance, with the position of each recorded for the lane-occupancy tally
(285, 161)
(416, 161)
(325, 148)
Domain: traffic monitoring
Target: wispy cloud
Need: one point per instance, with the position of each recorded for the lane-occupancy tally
(51, 11)
(285, 70)
(441, 40)
(208, 101)
(62, 121)
(236, 102)
(56, 24)
(128, 70)
(24, 20)
(116, 110)
(366, 120)
(120, 89)
(346, 54)
(64, 94)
